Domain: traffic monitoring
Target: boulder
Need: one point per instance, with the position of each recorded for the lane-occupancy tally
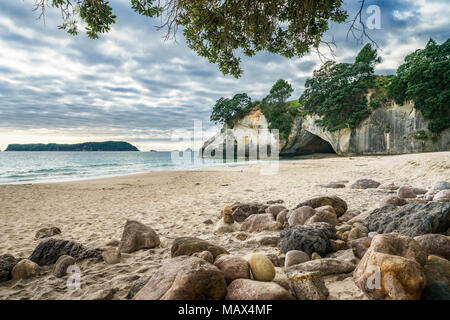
(437, 268)
(281, 279)
(339, 205)
(394, 200)
(246, 289)
(360, 246)
(441, 185)
(111, 256)
(61, 265)
(350, 214)
(262, 268)
(275, 209)
(419, 191)
(48, 251)
(25, 269)
(436, 290)
(300, 215)
(137, 236)
(242, 211)
(233, 267)
(307, 285)
(356, 233)
(294, 257)
(260, 222)
(308, 238)
(7, 263)
(365, 184)
(337, 245)
(392, 268)
(184, 278)
(205, 255)
(411, 219)
(325, 266)
(186, 246)
(47, 232)
(442, 196)
(282, 217)
(436, 244)
(323, 216)
(406, 192)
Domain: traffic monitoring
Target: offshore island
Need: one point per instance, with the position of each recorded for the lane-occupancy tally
(86, 146)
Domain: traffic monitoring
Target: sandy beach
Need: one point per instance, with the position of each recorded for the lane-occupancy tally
(174, 204)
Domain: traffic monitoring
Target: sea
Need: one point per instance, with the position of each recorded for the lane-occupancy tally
(35, 167)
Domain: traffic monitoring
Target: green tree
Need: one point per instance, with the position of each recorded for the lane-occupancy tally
(337, 91)
(219, 30)
(226, 111)
(276, 110)
(424, 77)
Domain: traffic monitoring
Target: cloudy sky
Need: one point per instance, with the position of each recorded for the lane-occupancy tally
(132, 85)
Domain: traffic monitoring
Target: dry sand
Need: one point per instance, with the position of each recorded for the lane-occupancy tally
(176, 204)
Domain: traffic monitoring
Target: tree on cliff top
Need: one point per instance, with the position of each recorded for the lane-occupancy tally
(337, 91)
(221, 30)
(226, 111)
(424, 77)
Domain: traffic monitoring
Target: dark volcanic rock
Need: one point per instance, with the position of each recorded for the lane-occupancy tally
(436, 290)
(339, 205)
(411, 219)
(185, 246)
(48, 251)
(309, 238)
(7, 263)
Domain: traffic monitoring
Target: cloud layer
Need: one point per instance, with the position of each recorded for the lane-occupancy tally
(132, 85)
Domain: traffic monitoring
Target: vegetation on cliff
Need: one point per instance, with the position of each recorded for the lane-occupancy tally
(87, 146)
(424, 77)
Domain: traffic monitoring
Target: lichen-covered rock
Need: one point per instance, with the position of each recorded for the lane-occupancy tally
(436, 290)
(282, 217)
(308, 238)
(137, 236)
(7, 263)
(184, 278)
(300, 215)
(325, 266)
(307, 285)
(337, 245)
(294, 257)
(233, 267)
(437, 268)
(260, 222)
(25, 269)
(47, 232)
(61, 265)
(245, 289)
(48, 251)
(186, 246)
(411, 219)
(339, 205)
(365, 184)
(392, 268)
(441, 185)
(436, 244)
(261, 266)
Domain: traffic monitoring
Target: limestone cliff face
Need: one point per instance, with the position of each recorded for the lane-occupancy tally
(393, 129)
